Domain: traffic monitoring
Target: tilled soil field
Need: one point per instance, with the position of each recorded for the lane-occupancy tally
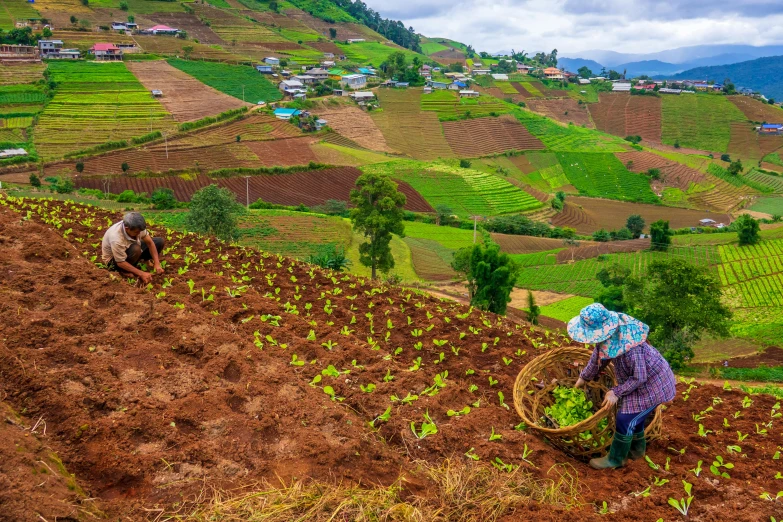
(355, 124)
(153, 396)
(673, 174)
(590, 214)
(484, 136)
(183, 96)
(564, 110)
(310, 187)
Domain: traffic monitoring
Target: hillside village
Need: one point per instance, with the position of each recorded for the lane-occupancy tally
(268, 358)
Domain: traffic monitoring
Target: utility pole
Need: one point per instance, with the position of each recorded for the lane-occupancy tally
(247, 191)
(475, 222)
(166, 142)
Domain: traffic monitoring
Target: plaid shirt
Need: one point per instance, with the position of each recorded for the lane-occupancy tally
(644, 377)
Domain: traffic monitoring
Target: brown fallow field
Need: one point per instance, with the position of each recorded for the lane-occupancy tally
(564, 110)
(673, 174)
(622, 115)
(310, 187)
(484, 136)
(356, 125)
(590, 214)
(183, 96)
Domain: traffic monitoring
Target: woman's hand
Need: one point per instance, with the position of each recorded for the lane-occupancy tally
(610, 398)
(579, 383)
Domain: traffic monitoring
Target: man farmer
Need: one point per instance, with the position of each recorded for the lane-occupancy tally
(644, 378)
(128, 242)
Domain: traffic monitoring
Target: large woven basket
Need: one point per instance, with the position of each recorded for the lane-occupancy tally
(561, 367)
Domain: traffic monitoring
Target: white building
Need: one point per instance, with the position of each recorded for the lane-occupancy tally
(354, 81)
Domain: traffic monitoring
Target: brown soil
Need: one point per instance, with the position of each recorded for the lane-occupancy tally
(484, 136)
(326, 47)
(514, 244)
(149, 404)
(183, 96)
(673, 174)
(590, 214)
(595, 250)
(757, 111)
(565, 110)
(622, 115)
(310, 187)
(294, 151)
(770, 357)
(744, 142)
(355, 124)
(190, 23)
(609, 113)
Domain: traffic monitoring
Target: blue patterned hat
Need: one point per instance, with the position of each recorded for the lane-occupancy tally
(616, 333)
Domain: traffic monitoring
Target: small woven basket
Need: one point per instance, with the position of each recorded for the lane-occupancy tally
(561, 367)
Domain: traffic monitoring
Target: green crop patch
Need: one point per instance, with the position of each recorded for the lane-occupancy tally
(558, 138)
(566, 309)
(430, 48)
(235, 80)
(13, 10)
(466, 191)
(604, 176)
(328, 11)
(449, 237)
(699, 121)
(770, 205)
(769, 181)
(372, 53)
(95, 103)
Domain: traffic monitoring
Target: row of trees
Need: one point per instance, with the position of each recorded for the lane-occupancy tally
(394, 30)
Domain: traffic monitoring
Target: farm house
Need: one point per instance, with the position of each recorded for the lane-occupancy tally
(271, 60)
(106, 52)
(162, 30)
(354, 81)
(286, 114)
(553, 73)
(468, 94)
(264, 69)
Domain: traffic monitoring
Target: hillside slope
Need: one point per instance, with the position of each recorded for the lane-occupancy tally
(764, 75)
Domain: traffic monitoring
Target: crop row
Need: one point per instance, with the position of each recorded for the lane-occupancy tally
(603, 175)
(558, 138)
(240, 81)
(768, 248)
(698, 121)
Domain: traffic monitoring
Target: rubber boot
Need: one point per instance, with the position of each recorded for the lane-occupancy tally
(638, 446)
(618, 452)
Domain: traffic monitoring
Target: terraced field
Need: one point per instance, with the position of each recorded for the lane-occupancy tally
(310, 187)
(643, 118)
(757, 111)
(185, 97)
(294, 151)
(485, 136)
(466, 191)
(609, 113)
(11, 11)
(768, 205)
(603, 176)
(564, 110)
(514, 244)
(558, 138)
(699, 121)
(448, 105)
(773, 182)
(255, 127)
(587, 215)
(95, 103)
(723, 197)
(240, 81)
(356, 125)
(673, 174)
(744, 142)
(11, 73)
(753, 274)
(373, 53)
(407, 129)
(293, 234)
(566, 309)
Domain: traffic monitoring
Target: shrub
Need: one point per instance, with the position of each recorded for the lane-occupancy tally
(465, 164)
(635, 223)
(35, 181)
(654, 173)
(63, 185)
(125, 167)
(214, 210)
(747, 230)
(602, 236)
(661, 236)
(331, 257)
(533, 310)
(163, 198)
(725, 157)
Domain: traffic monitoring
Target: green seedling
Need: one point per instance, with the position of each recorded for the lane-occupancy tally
(416, 365)
(697, 470)
(329, 345)
(502, 398)
(494, 436)
(316, 380)
(416, 332)
(388, 377)
(426, 428)
(502, 466)
(507, 361)
(492, 381)
(746, 402)
(439, 342)
(684, 504)
(703, 432)
(367, 389)
(440, 358)
(472, 388)
(458, 413)
(521, 426)
(407, 400)
(330, 392)
(768, 496)
(643, 493)
(526, 453)
(384, 417)
(295, 361)
(330, 371)
(652, 464)
(311, 335)
(604, 509)
(469, 371)
(733, 449)
(471, 454)
(717, 464)
(657, 481)
(677, 452)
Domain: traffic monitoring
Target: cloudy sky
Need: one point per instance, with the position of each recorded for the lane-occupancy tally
(631, 26)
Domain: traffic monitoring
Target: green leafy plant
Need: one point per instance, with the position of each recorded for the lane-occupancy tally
(471, 454)
(684, 504)
(426, 428)
(697, 470)
(458, 413)
(716, 466)
(494, 436)
(570, 407)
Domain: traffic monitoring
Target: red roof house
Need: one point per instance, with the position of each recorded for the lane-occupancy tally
(163, 29)
(106, 52)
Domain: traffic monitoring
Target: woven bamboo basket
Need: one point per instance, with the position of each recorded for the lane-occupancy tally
(561, 367)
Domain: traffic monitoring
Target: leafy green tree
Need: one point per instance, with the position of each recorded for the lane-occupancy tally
(73, 19)
(131, 18)
(124, 5)
(680, 302)
(377, 214)
(533, 310)
(661, 236)
(80, 166)
(35, 181)
(490, 276)
(163, 198)
(612, 279)
(735, 168)
(465, 164)
(125, 167)
(443, 214)
(602, 236)
(747, 230)
(635, 223)
(584, 72)
(46, 33)
(214, 210)
(332, 33)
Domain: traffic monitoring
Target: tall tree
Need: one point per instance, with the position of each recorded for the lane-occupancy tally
(377, 214)
(214, 210)
(661, 236)
(680, 302)
(747, 230)
(584, 72)
(635, 223)
(490, 276)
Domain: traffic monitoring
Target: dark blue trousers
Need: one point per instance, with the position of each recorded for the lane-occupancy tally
(630, 423)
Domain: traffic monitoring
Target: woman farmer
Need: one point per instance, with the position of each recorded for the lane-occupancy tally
(644, 378)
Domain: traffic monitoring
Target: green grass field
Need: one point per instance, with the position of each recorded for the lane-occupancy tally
(774, 158)
(604, 176)
(450, 237)
(559, 138)
(372, 53)
(770, 181)
(771, 205)
(466, 191)
(94, 103)
(448, 105)
(13, 10)
(229, 79)
(699, 121)
(566, 309)
(323, 10)
(430, 48)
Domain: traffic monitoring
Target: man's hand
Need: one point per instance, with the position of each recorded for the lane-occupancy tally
(579, 383)
(610, 398)
(158, 268)
(145, 277)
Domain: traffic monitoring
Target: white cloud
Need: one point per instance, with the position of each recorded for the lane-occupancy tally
(629, 26)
